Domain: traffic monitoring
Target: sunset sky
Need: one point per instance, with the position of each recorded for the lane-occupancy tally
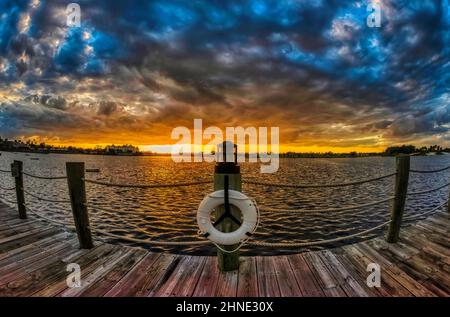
(134, 70)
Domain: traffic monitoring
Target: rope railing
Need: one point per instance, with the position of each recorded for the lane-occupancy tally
(355, 235)
(134, 240)
(7, 188)
(319, 186)
(5, 171)
(104, 209)
(269, 244)
(91, 181)
(44, 177)
(76, 180)
(46, 219)
(429, 172)
(46, 199)
(266, 244)
(318, 242)
(417, 216)
(152, 242)
(428, 190)
(3, 199)
(325, 210)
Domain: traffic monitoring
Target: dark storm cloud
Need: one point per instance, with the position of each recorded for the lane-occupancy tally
(34, 118)
(10, 11)
(56, 102)
(316, 61)
(106, 108)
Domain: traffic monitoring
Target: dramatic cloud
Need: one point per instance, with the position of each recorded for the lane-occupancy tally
(134, 70)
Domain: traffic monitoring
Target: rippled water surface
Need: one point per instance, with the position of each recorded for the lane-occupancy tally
(170, 212)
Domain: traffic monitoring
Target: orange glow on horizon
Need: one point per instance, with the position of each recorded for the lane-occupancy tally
(165, 148)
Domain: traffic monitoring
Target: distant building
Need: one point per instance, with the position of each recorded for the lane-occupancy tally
(19, 146)
(33, 147)
(122, 150)
(59, 150)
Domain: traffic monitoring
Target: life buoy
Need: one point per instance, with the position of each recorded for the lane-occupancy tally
(246, 206)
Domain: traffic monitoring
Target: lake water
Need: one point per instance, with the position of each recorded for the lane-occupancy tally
(171, 212)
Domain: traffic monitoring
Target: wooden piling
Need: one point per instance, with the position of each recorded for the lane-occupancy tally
(228, 261)
(17, 173)
(77, 191)
(401, 190)
(230, 170)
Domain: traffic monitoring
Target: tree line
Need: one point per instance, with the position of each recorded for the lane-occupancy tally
(41, 147)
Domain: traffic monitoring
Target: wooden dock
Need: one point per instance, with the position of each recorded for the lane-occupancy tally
(34, 258)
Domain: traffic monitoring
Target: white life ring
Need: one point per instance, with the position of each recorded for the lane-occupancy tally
(249, 214)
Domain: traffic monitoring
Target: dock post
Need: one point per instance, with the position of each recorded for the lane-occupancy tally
(17, 173)
(230, 172)
(77, 192)
(401, 189)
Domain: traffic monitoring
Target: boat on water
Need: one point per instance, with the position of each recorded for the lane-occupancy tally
(92, 170)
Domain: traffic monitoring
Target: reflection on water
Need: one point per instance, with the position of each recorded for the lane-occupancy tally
(171, 211)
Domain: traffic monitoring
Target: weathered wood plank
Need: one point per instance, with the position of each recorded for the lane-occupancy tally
(184, 280)
(207, 284)
(36, 276)
(32, 248)
(404, 279)
(147, 276)
(348, 283)
(285, 277)
(94, 271)
(227, 284)
(359, 270)
(267, 279)
(247, 279)
(104, 284)
(428, 247)
(387, 282)
(423, 267)
(327, 281)
(307, 282)
(17, 238)
(23, 267)
(134, 281)
(57, 282)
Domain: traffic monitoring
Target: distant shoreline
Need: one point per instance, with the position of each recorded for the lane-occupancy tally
(72, 153)
(33, 147)
(282, 155)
